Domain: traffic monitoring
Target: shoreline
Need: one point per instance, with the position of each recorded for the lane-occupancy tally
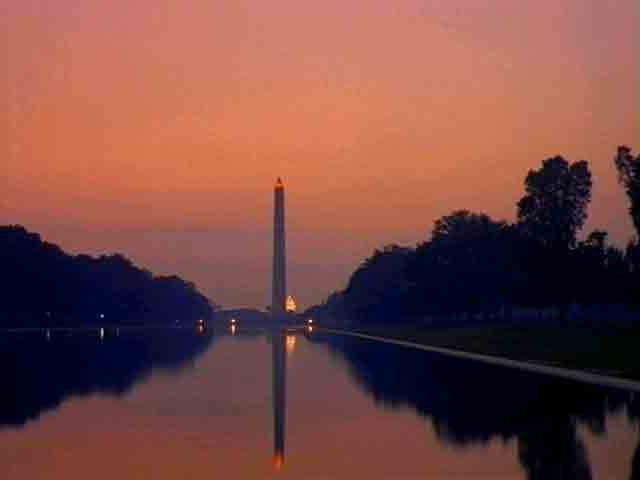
(584, 376)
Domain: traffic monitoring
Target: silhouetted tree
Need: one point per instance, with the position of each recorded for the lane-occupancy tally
(628, 168)
(377, 289)
(554, 207)
(44, 286)
(599, 270)
(467, 266)
(331, 311)
(633, 257)
(552, 211)
(473, 264)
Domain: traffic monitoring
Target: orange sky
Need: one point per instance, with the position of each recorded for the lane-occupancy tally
(156, 128)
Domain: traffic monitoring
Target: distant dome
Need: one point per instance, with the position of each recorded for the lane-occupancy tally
(290, 305)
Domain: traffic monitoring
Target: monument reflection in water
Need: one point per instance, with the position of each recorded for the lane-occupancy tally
(279, 364)
(379, 411)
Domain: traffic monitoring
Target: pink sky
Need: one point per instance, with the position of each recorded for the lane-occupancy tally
(156, 128)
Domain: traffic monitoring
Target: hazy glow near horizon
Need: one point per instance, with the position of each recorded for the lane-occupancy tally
(156, 128)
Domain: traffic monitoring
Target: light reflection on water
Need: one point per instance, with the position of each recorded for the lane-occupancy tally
(292, 405)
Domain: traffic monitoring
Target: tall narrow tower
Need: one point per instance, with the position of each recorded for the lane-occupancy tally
(279, 293)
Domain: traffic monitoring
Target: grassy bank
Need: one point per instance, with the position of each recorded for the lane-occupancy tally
(609, 350)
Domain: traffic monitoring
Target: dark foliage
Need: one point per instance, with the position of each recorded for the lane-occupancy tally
(554, 207)
(378, 288)
(329, 310)
(474, 268)
(599, 271)
(449, 273)
(44, 286)
(628, 168)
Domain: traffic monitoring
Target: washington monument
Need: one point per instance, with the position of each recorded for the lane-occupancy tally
(279, 292)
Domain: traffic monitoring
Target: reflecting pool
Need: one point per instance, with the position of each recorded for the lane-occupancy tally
(193, 404)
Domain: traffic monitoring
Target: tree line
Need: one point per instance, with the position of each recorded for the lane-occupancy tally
(476, 267)
(44, 286)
